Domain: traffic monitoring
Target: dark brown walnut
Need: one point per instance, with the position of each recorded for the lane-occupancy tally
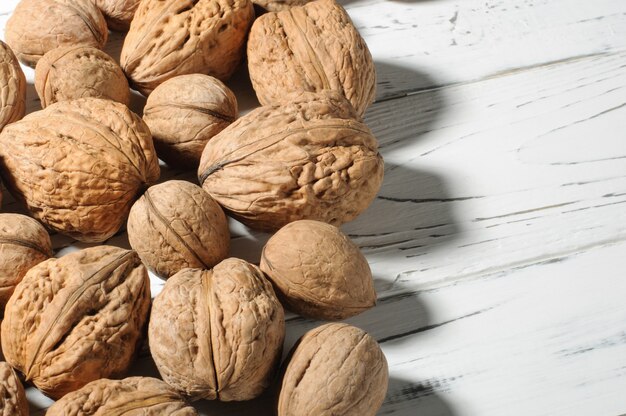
(76, 319)
(118, 13)
(278, 5)
(304, 159)
(335, 369)
(184, 113)
(217, 334)
(12, 397)
(310, 48)
(13, 84)
(79, 165)
(176, 37)
(38, 26)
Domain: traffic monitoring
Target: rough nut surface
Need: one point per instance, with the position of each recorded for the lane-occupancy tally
(118, 13)
(38, 26)
(176, 225)
(79, 165)
(305, 159)
(73, 72)
(335, 369)
(176, 37)
(217, 334)
(278, 5)
(318, 272)
(13, 87)
(77, 319)
(12, 397)
(310, 48)
(184, 113)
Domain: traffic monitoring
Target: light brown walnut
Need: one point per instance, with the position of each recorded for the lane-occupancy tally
(12, 397)
(13, 84)
(118, 13)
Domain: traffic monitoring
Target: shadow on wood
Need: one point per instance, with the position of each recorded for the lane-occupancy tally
(410, 398)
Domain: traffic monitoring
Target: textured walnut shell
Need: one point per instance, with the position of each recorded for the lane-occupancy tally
(13, 84)
(118, 13)
(318, 272)
(176, 225)
(217, 334)
(305, 159)
(278, 5)
(335, 369)
(176, 37)
(12, 397)
(74, 72)
(77, 319)
(38, 26)
(310, 48)
(79, 165)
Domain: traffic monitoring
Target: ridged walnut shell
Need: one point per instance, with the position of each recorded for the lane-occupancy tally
(13, 84)
(335, 369)
(176, 37)
(74, 72)
(318, 272)
(132, 396)
(310, 48)
(12, 397)
(38, 26)
(278, 5)
(118, 13)
(76, 319)
(217, 334)
(79, 165)
(176, 225)
(184, 113)
(305, 159)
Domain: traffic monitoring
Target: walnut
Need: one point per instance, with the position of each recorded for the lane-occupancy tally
(278, 5)
(73, 72)
(77, 319)
(38, 26)
(79, 165)
(13, 84)
(217, 334)
(118, 13)
(184, 113)
(335, 369)
(304, 159)
(12, 397)
(310, 48)
(176, 37)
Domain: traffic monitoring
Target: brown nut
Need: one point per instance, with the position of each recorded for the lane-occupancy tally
(38, 26)
(217, 334)
(310, 48)
(176, 37)
(118, 13)
(77, 319)
(79, 165)
(13, 84)
(184, 113)
(12, 397)
(278, 5)
(335, 369)
(74, 72)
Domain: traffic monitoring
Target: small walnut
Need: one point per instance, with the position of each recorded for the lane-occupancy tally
(13, 84)
(278, 5)
(12, 397)
(335, 369)
(118, 13)
(73, 72)
(217, 334)
(184, 113)
(77, 319)
(38, 26)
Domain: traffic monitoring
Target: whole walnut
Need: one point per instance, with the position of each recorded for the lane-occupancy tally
(73, 72)
(176, 225)
(76, 319)
(318, 272)
(13, 84)
(118, 13)
(79, 165)
(335, 369)
(38, 26)
(184, 113)
(217, 334)
(310, 48)
(12, 397)
(176, 37)
(304, 159)
(278, 5)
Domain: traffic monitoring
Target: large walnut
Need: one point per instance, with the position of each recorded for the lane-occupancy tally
(12, 397)
(79, 165)
(77, 319)
(310, 48)
(13, 85)
(176, 37)
(118, 13)
(217, 334)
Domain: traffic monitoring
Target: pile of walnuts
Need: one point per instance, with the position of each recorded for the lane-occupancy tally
(85, 165)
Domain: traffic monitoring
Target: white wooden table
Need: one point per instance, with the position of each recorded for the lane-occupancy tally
(498, 240)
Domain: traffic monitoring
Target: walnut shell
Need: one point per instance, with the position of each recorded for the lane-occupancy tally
(278, 5)
(79, 165)
(184, 113)
(118, 13)
(77, 319)
(176, 37)
(217, 334)
(13, 84)
(38, 26)
(176, 225)
(310, 48)
(304, 159)
(12, 397)
(335, 369)
(74, 72)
